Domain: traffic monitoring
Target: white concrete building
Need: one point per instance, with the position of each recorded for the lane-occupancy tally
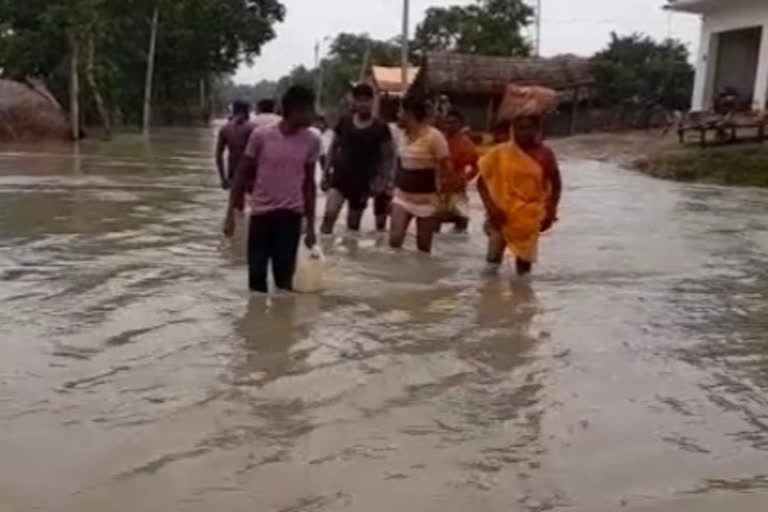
(733, 51)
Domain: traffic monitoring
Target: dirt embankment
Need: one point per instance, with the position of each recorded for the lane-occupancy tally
(626, 148)
(663, 157)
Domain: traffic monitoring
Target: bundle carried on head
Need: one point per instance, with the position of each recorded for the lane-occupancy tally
(524, 101)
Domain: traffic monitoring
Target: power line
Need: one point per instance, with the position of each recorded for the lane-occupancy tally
(404, 43)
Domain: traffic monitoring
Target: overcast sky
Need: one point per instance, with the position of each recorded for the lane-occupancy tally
(570, 26)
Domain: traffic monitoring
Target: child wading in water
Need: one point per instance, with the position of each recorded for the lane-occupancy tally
(454, 199)
(279, 163)
(520, 182)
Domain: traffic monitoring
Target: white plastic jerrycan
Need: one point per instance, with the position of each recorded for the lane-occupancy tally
(310, 270)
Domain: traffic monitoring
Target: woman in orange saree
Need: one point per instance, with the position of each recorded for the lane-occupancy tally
(520, 183)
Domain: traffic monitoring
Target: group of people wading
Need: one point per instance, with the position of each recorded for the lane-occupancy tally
(417, 169)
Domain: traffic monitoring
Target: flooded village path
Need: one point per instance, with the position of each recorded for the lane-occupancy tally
(136, 372)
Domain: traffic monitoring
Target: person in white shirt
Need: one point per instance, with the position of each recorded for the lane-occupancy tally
(320, 129)
(265, 114)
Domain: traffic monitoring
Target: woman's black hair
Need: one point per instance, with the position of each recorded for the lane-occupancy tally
(297, 97)
(417, 106)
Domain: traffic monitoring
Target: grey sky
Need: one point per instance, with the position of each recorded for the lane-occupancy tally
(570, 26)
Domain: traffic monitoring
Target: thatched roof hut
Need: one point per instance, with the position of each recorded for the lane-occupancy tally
(476, 83)
(387, 80)
(479, 74)
(28, 110)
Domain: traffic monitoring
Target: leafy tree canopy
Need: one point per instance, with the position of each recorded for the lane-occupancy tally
(198, 41)
(487, 27)
(635, 69)
(348, 59)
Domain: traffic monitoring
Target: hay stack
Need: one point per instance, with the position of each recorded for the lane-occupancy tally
(28, 110)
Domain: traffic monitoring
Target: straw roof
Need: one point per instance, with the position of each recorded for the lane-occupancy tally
(28, 111)
(479, 74)
(389, 79)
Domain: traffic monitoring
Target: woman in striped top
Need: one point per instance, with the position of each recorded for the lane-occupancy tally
(423, 159)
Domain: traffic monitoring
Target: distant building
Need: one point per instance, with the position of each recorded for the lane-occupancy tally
(475, 84)
(733, 52)
(388, 82)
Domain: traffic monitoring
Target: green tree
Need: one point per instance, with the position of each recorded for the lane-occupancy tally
(299, 75)
(198, 42)
(24, 50)
(636, 70)
(487, 27)
(348, 61)
(42, 37)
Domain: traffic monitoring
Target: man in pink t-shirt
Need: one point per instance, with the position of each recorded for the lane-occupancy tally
(279, 167)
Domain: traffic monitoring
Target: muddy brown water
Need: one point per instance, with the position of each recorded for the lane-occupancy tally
(136, 373)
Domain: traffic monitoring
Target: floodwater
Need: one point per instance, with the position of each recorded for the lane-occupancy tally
(136, 372)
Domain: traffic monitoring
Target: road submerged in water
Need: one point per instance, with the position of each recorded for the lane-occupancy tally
(139, 374)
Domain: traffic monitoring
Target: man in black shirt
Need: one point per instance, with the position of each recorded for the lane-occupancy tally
(360, 153)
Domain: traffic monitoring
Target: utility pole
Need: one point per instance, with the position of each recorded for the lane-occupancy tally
(404, 58)
(366, 62)
(318, 78)
(74, 85)
(147, 115)
(320, 71)
(538, 29)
